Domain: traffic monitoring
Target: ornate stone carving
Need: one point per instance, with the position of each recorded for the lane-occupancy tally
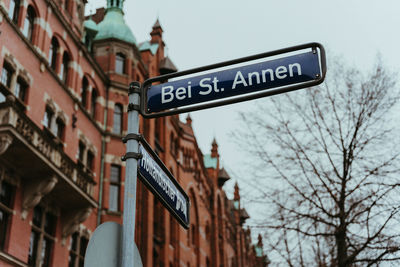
(73, 220)
(34, 192)
(5, 141)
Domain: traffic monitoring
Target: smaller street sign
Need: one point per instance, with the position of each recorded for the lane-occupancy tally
(262, 76)
(156, 176)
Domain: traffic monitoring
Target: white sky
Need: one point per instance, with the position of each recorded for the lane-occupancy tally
(199, 33)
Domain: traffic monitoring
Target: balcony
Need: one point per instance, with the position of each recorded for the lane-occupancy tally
(45, 171)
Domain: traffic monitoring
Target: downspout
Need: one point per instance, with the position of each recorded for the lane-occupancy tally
(103, 149)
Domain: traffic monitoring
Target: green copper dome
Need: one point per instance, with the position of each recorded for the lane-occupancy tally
(90, 25)
(113, 26)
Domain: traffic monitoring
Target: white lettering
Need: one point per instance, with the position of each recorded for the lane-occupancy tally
(280, 72)
(189, 90)
(164, 93)
(180, 205)
(271, 75)
(255, 74)
(215, 81)
(180, 93)
(241, 81)
(151, 167)
(291, 66)
(203, 85)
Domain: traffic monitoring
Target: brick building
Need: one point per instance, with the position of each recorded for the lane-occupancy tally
(64, 81)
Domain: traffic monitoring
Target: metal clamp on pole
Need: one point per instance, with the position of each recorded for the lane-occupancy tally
(131, 155)
(134, 88)
(132, 107)
(132, 136)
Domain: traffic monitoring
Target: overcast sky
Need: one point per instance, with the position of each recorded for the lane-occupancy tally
(203, 32)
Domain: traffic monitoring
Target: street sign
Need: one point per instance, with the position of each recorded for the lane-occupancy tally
(156, 176)
(162, 96)
(104, 248)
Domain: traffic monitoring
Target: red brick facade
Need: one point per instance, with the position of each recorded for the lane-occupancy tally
(62, 116)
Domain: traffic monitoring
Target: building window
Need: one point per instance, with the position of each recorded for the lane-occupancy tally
(120, 63)
(59, 129)
(93, 103)
(20, 90)
(54, 125)
(117, 124)
(77, 250)
(48, 117)
(13, 11)
(6, 204)
(115, 184)
(29, 23)
(64, 68)
(90, 161)
(85, 85)
(81, 152)
(42, 238)
(54, 46)
(6, 75)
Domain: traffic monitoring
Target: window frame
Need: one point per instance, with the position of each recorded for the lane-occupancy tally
(118, 119)
(54, 47)
(64, 67)
(35, 257)
(84, 91)
(90, 160)
(81, 152)
(48, 118)
(15, 12)
(29, 23)
(120, 63)
(7, 212)
(77, 255)
(9, 74)
(59, 128)
(21, 89)
(115, 182)
(93, 100)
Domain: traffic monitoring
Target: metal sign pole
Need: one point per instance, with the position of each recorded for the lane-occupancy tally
(131, 157)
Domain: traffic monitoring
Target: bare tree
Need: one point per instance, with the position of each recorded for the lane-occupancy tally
(326, 163)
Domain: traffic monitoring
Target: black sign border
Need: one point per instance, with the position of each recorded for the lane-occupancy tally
(163, 78)
(161, 164)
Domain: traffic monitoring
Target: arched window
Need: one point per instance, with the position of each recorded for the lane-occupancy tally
(53, 53)
(85, 85)
(120, 63)
(64, 67)
(28, 23)
(117, 124)
(93, 103)
(13, 11)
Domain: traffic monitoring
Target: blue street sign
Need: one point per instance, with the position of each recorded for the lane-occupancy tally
(160, 181)
(268, 77)
(242, 80)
